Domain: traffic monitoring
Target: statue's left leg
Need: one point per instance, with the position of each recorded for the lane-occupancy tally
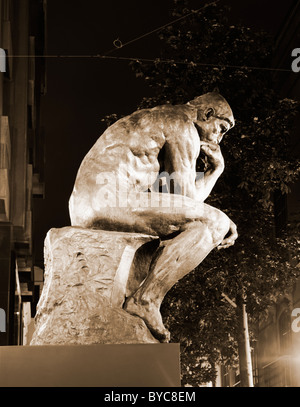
(174, 259)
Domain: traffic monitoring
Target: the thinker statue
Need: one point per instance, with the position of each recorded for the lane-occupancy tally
(114, 191)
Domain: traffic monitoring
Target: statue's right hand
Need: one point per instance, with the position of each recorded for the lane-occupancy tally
(214, 154)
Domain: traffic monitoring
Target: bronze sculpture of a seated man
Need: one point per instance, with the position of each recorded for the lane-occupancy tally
(115, 190)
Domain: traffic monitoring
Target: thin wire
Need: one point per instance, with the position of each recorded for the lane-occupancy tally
(148, 60)
(121, 45)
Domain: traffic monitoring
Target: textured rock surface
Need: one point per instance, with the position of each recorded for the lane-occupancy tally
(86, 280)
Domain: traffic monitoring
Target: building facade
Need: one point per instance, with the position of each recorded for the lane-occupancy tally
(22, 84)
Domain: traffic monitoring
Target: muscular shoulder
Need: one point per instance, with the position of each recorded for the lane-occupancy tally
(159, 117)
(140, 127)
(149, 129)
(174, 117)
(178, 123)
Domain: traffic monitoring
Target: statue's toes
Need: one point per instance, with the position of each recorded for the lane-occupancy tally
(163, 335)
(151, 317)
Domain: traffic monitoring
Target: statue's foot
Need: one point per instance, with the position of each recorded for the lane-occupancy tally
(151, 316)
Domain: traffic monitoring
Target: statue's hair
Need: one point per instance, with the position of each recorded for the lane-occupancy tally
(207, 98)
(214, 100)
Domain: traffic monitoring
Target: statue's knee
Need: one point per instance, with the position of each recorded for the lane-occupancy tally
(220, 226)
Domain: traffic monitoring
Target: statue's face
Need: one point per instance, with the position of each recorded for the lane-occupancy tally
(214, 123)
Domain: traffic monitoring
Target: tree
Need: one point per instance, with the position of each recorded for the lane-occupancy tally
(205, 53)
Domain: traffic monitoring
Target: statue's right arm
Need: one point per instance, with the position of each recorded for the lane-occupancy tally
(205, 184)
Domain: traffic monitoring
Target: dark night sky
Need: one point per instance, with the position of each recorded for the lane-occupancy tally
(83, 90)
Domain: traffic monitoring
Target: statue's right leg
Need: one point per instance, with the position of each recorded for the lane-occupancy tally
(174, 259)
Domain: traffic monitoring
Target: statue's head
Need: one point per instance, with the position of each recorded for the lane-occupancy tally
(214, 116)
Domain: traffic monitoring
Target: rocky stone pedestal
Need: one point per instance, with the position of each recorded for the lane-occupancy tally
(88, 274)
